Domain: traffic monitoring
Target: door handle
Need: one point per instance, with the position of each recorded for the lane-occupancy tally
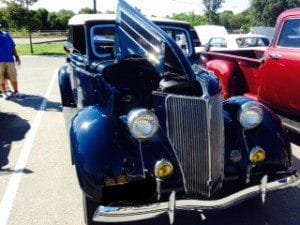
(275, 56)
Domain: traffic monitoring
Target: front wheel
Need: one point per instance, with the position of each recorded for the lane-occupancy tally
(89, 208)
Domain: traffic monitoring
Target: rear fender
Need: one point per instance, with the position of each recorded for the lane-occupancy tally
(231, 76)
(67, 97)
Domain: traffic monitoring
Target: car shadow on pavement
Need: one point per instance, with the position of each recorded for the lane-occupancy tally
(35, 101)
(12, 128)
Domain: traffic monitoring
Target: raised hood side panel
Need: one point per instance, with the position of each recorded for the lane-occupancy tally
(137, 36)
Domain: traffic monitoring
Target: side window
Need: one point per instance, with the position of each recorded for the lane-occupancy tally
(195, 38)
(77, 37)
(180, 36)
(218, 42)
(103, 39)
(263, 42)
(290, 34)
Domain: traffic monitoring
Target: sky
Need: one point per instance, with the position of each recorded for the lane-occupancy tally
(148, 7)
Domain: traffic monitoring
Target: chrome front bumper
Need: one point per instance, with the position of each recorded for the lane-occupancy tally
(127, 214)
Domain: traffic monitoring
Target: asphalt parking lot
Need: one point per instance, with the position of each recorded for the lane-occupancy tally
(38, 185)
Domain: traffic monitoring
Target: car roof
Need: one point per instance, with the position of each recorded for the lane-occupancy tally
(233, 37)
(289, 12)
(245, 35)
(81, 19)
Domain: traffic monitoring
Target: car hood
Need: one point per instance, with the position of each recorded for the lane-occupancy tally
(136, 36)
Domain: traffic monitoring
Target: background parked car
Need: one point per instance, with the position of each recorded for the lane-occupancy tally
(206, 32)
(238, 41)
(262, 30)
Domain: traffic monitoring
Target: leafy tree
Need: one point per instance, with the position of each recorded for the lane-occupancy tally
(190, 18)
(86, 11)
(53, 21)
(15, 15)
(41, 17)
(63, 16)
(265, 12)
(225, 19)
(211, 8)
(3, 20)
(59, 20)
(23, 3)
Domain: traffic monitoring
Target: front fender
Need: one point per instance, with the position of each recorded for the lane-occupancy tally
(92, 135)
(231, 76)
(269, 135)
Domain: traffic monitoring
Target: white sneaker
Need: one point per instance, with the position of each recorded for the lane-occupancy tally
(7, 95)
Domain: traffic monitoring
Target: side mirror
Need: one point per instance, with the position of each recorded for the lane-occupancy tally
(69, 47)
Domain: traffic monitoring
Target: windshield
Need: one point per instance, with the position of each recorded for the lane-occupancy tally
(247, 42)
(102, 38)
(290, 35)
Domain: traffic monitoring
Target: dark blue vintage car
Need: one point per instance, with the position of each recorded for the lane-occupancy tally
(148, 129)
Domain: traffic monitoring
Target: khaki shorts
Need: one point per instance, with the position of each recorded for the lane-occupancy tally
(8, 71)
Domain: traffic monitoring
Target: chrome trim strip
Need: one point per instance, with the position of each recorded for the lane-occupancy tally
(137, 213)
(208, 121)
(173, 147)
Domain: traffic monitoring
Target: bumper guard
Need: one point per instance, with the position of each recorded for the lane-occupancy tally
(143, 212)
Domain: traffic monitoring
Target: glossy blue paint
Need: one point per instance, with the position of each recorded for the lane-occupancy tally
(101, 142)
(269, 135)
(67, 97)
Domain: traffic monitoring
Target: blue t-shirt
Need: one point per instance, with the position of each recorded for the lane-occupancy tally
(7, 46)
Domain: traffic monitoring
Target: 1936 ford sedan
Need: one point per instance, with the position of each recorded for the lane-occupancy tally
(149, 132)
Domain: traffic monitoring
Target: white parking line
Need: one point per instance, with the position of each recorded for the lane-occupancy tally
(13, 185)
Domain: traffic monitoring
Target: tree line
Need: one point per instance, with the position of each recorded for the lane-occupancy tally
(260, 13)
(16, 16)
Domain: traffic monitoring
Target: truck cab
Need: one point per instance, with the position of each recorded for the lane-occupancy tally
(270, 76)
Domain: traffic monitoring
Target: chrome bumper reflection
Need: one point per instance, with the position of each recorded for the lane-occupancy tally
(127, 214)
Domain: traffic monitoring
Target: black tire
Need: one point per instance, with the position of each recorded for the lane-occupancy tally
(66, 94)
(89, 208)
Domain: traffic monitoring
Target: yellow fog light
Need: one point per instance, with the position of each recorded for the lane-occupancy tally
(163, 169)
(257, 155)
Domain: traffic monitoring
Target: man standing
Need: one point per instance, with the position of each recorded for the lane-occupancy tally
(7, 62)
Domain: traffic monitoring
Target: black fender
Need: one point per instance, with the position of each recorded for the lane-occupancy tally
(67, 97)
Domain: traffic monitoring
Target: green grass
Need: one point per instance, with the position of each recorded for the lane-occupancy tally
(42, 49)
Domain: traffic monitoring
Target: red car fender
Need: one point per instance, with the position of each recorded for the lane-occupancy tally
(230, 75)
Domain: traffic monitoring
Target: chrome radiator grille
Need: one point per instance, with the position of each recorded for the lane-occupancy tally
(195, 129)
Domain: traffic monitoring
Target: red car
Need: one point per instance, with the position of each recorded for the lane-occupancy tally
(271, 76)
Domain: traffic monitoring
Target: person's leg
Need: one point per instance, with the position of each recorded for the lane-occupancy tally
(7, 83)
(2, 85)
(12, 74)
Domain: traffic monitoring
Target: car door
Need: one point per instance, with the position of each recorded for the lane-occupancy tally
(280, 75)
(81, 79)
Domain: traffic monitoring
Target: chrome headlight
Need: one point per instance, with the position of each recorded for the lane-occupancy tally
(250, 115)
(142, 123)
